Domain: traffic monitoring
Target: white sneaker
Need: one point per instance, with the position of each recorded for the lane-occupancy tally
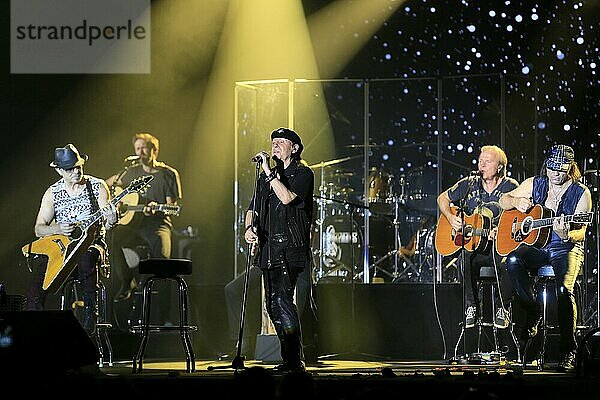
(501, 318)
(470, 313)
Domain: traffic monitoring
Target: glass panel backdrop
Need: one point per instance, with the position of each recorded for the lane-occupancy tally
(381, 151)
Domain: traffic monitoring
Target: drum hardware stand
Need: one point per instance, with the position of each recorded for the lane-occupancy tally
(397, 275)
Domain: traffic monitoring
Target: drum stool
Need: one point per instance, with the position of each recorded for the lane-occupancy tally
(102, 326)
(165, 269)
(487, 278)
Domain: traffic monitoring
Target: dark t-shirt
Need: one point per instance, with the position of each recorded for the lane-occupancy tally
(471, 189)
(165, 183)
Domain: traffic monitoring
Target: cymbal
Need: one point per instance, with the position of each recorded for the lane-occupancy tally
(339, 173)
(343, 189)
(418, 144)
(360, 146)
(333, 162)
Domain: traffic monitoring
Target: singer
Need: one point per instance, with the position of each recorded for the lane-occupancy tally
(281, 231)
(480, 192)
(149, 228)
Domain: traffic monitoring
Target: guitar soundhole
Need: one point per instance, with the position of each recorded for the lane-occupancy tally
(459, 240)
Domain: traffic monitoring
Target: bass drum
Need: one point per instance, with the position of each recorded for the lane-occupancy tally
(337, 247)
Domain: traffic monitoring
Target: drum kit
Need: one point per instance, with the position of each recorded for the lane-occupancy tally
(399, 228)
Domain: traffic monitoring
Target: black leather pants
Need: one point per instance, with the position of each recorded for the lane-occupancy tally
(566, 261)
(280, 284)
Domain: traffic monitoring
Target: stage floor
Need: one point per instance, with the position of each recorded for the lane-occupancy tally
(327, 378)
(357, 379)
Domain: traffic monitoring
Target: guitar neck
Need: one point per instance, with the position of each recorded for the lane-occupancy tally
(155, 207)
(545, 222)
(98, 214)
(481, 232)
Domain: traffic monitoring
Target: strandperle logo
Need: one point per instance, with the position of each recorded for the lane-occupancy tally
(84, 31)
(80, 36)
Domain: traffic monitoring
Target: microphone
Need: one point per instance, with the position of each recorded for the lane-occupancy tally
(257, 158)
(475, 173)
(131, 158)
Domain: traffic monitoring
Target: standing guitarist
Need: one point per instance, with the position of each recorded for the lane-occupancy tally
(481, 191)
(152, 229)
(558, 189)
(66, 204)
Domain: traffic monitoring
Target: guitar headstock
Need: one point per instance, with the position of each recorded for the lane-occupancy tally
(584, 218)
(170, 209)
(140, 184)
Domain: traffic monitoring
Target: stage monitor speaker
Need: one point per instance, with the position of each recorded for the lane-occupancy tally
(49, 341)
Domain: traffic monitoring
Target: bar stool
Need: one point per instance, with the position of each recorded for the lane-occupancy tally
(165, 269)
(543, 277)
(487, 279)
(102, 326)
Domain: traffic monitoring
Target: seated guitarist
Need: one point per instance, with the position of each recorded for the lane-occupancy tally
(150, 228)
(481, 190)
(66, 203)
(556, 188)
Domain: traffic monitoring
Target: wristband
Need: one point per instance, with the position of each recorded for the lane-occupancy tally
(271, 176)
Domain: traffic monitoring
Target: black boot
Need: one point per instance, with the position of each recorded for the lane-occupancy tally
(291, 352)
(90, 313)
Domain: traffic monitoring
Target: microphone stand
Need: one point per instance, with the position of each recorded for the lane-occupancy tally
(238, 361)
(461, 210)
(122, 172)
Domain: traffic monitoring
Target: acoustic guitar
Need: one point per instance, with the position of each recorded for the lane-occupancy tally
(63, 251)
(533, 228)
(477, 228)
(130, 205)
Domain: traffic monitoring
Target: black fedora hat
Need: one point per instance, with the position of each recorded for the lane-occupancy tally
(67, 157)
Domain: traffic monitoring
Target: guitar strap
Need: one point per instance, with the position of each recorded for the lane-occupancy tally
(99, 243)
(93, 200)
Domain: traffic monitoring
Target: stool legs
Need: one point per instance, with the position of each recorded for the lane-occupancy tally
(543, 328)
(183, 325)
(183, 322)
(100, 334)
(495, 334)
(102, 327)
(145, 327)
